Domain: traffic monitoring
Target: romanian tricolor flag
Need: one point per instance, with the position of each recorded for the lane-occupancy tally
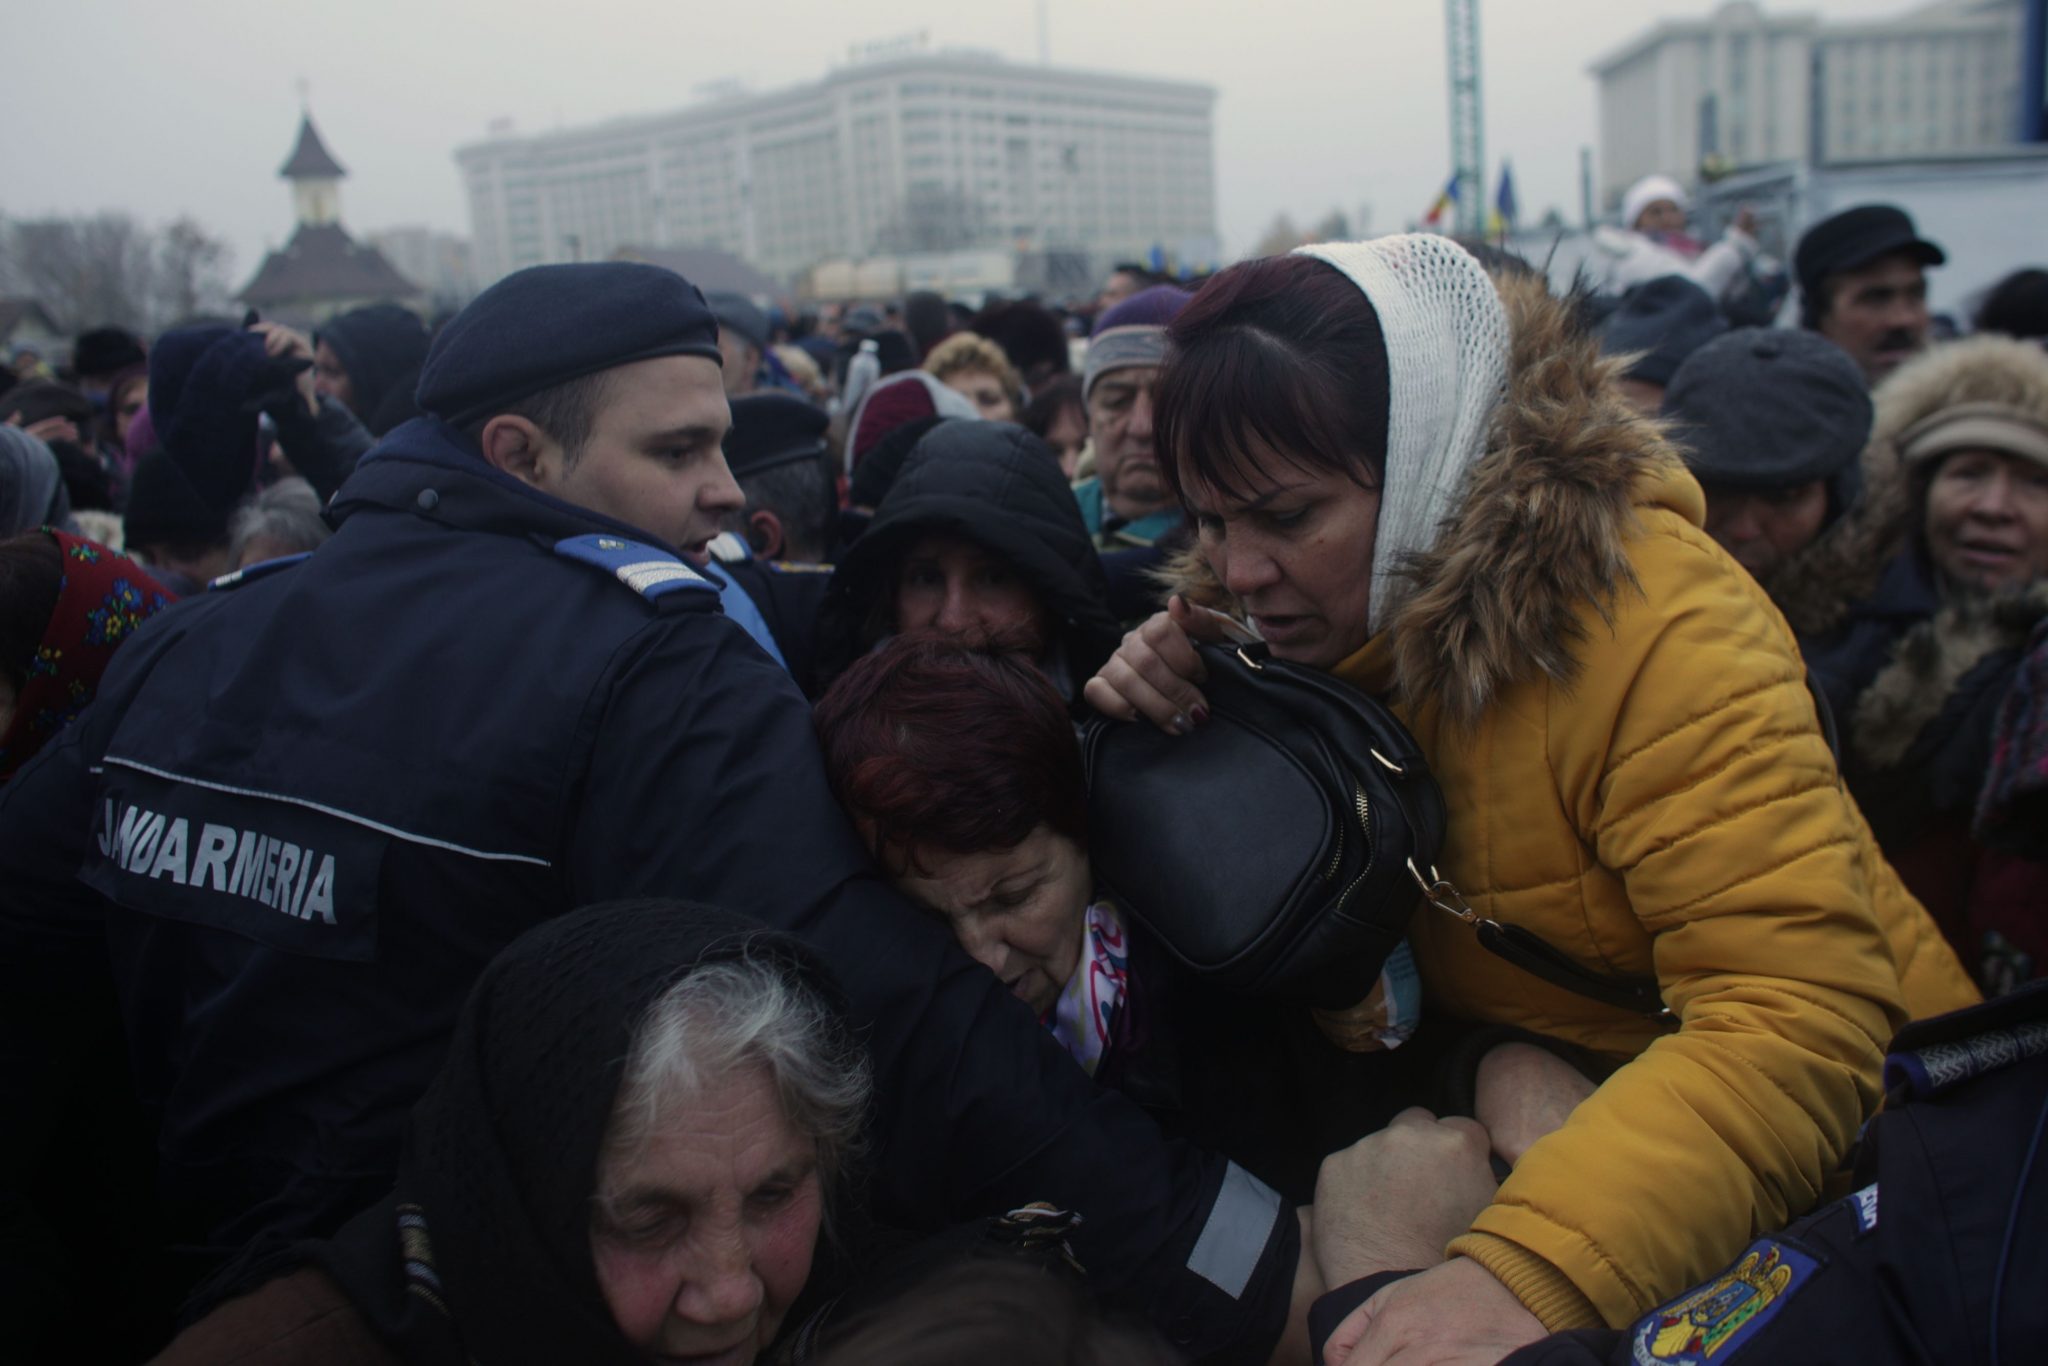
(1443, 202)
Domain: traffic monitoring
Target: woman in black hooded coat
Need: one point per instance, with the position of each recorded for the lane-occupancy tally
(979, 511)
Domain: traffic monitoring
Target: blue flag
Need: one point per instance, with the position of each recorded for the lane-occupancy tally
(1504, 198)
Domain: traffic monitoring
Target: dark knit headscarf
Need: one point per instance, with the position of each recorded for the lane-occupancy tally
(483, 1253)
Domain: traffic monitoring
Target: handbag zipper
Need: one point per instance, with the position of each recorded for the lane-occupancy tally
(1365, 827)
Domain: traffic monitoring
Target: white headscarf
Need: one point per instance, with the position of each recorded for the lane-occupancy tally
(1447, 366)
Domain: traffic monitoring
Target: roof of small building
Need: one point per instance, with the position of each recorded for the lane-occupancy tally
(323, 262)
(15, 312)
(310, 159)
(708, 268)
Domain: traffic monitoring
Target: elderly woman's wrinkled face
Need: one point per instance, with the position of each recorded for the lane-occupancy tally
(1987, 519)
(1018, 912)
(703, 1237)
(962, 590)
(1294, 545)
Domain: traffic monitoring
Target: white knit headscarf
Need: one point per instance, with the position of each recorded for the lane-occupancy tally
(1447, 367)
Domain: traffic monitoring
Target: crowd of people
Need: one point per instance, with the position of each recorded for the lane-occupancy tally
(565, 835)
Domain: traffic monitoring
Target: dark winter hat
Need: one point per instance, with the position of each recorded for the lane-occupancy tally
(204, 384)
(547, 325)
(1856, 237)
(770, 430)
(927, 319)
(379, 346)
(1132, 333)
(164, 508)
(104, 350)
(737, 314)
(1764, 408)
(30, 403)
(1666, 320)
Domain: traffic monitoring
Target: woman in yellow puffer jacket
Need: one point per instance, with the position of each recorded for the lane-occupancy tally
(1427, 484)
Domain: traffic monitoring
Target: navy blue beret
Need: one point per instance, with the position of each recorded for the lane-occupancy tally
(547, 325)
(771, 429)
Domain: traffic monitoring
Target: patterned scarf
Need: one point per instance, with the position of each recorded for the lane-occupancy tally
(102, 598)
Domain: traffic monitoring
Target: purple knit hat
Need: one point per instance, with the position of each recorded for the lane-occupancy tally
(1154, 307)
(1132, 333)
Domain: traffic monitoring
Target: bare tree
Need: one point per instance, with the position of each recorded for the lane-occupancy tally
(191, 273)
(1331, 227)
(108, 269)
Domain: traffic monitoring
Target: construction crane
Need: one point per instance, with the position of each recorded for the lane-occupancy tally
(1468, 159)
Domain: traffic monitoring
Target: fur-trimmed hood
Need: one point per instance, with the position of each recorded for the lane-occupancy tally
(1540, 530)
(1816, 588)
(1930, 664)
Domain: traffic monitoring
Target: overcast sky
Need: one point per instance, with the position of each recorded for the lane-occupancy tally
(189, 107)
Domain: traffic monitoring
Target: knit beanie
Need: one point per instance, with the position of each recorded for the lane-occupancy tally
(1665, 320)
(899, 399)
(1446, 334)
(1646, 192)
(1131, 333)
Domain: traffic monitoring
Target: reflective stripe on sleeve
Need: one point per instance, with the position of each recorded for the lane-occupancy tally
(1240, 1223)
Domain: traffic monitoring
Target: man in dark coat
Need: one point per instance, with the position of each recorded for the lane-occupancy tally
(308, 806)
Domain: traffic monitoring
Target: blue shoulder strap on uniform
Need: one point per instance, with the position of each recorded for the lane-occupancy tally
(729, 548)
(249, 573)
(650, 572)
(741, 608)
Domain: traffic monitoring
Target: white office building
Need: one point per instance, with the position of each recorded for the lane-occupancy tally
(904, 152)
(1746, 88)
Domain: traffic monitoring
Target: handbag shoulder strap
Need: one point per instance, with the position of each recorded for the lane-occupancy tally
(1527, 951)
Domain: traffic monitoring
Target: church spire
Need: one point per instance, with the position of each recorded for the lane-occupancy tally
(315, 176)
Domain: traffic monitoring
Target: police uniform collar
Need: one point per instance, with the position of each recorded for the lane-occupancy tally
(427, 468)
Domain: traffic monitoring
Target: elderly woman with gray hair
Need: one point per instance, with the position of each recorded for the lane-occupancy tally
(645, 1112)
(281, 520)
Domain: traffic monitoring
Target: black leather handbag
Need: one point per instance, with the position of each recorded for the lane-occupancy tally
(1273, 850)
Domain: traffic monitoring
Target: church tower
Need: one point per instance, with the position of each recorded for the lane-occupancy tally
(315, 176)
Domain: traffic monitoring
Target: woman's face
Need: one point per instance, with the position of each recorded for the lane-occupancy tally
(1987, 519)
(990, 398)
(128, 401)
(1018, 912)
(703, 1238)
(955, 587)
(1294, 545)
(1067, 435)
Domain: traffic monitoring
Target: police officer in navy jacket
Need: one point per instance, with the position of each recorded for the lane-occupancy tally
(308, 806)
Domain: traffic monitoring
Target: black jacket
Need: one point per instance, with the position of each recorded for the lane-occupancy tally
(997, 485)
(308, 807)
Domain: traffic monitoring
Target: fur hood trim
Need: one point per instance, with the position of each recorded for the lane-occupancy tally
(1817, 587)
(1539, 532)
(1930, 662)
